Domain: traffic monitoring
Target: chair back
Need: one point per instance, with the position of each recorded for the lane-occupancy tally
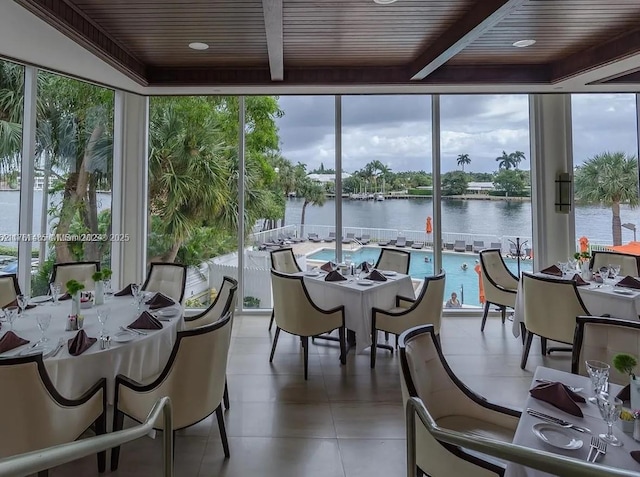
(193, 378)
(33, 414)
(80, 271)
(224, 302)
(9, 289)
(500, 285)
(601, 338)
(284, 260)
(167, 278)
(394, 260)
(427, 309)
(629, 264)
(551, 306)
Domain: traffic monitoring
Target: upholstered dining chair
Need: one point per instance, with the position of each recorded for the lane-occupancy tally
(601, 338)
(80, 271)
(629, 264)
(394, 260)
(408, 313)
(425, 374)
(284, 261)
(9, 289)
(167, 278)
(34, 415)
(550, 309)
(500, 285)
(193, 378)
(297, 314)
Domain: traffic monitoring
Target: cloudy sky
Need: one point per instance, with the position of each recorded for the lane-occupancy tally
(396, 130)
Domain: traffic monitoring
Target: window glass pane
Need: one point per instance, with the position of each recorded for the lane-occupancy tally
(605, 145)
(486, 186)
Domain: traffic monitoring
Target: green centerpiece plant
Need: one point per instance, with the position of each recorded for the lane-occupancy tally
(626, 364)
(99, 278)
(74, 287)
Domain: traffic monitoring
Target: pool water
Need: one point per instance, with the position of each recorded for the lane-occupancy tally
(462, 281)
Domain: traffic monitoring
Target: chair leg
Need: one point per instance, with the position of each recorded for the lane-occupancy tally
(305, 345)
(397, 341)
(343, 346)
(275, 342)
(386, 336)
(523, 331)
(101, 428)
(484, 315)
(525, 351)
(273, 316)
(543, 346)
(223, 431)
(225, 396)
(118, 423)
(374, 346)
(43, 473)
(503, 309)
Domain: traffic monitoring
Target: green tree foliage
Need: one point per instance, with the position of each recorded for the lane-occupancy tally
(512, 182)
(463, 159)
(454, 183)
(312, 193)
(610, 179)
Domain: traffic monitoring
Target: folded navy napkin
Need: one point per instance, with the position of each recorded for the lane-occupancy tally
(579, 281)
(552, 270)
(159, 300)
(80, 343)
(625, 393)
(377, 276)
(125, 291)
(635, 455)
(66, 296)
(146, 321)
(364, 266)
(328, 267)
(334, 276)
(629, 282)
(10, 340)
(558, 395)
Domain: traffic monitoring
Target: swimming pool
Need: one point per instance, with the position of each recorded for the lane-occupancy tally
(463, 282)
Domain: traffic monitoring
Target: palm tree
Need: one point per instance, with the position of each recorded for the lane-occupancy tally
(463, 159)
(610, 178)
(312, 193)
(505, 161)
(11, 100)
(516, 158)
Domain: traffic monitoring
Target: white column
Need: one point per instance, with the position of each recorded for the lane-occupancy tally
(551, 153)
(26, 176)
(129, 198)
(338, 181)
(436, 191)
(241, 173)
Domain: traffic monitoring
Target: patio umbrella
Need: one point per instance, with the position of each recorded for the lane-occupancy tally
(428, 226)
(584, 244)
(632, 248)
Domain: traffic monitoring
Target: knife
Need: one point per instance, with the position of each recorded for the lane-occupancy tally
(555, 420)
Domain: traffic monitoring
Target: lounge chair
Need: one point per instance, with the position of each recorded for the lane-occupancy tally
(331, 237)
(293, 239)
(284, 240)
(460, 246)
(478, 245)
(350, 238)
(314, 238)
(366, 238)
(401, 242)
(383, 243)
(417, 245)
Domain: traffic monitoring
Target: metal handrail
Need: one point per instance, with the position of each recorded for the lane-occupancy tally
(537, 459)
(36, 461)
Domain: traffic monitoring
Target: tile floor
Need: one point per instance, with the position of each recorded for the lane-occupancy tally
(343, 422)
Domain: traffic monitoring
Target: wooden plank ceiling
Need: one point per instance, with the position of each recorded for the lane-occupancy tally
(349, 41)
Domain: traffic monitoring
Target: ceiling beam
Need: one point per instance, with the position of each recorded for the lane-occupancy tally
(480, 18)
(597, 56)
(272, 11)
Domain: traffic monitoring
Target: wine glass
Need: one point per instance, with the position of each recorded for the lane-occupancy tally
(135, 291)
(55, 292)
(563, 266)
(23, 300)
(615, 271)
(43, 320)
(107, 287)
(371, 263)
(599, 374)
(103, 316)
(11, 312)
(573, 263)
(604, 274)
(610, 407)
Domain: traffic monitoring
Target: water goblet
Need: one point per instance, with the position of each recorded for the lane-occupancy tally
(11, 312)
(22, 300)
(615, 271)
(43, 320)
(604, 274)
(610, 407)
(599, 374)
(103, 316)
(55, 292)
(107, 288)
(573, 263)
(135, 291)
(371, 263)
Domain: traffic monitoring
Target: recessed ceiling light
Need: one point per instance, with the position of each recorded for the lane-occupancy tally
(196, 45)
(384, 2)
(524, 43)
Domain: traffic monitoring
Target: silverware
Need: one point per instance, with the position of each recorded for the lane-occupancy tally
(141, 333)
(555, 420)
(593, 446)
(571, 388)
(599, 446)
(57, 349)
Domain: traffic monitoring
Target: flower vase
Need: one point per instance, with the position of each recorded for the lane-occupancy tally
(634, 384)
(75, 304)
(99, 293)
(585, 273)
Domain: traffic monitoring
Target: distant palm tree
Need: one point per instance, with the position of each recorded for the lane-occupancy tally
(610, 178)
(516, 158)
(312, 193)
(463, 159)
(506, 161)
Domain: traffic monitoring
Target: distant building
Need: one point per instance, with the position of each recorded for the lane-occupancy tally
(480, 188)
(327, 178)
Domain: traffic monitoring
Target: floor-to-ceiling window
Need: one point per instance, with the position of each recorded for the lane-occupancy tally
(605, 145)
(485, 176)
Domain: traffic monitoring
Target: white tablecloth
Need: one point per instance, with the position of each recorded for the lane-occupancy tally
(615, 457)
(139, 359)
(359, 300)
(597, 298)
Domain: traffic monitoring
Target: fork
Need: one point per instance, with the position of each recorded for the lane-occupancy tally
(599, 446)
(593, 446)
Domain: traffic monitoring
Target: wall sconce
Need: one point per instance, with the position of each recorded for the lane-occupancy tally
(564, 192)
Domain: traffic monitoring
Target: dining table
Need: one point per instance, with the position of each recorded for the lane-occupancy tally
(358, 296)
(599, 299)
(138, 355)
(618, 457)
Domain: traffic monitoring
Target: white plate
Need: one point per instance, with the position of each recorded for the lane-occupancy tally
(40, 299)
(167, 312)
(365, 283)
(314, 273)
(123, 337)
(388, 273)
(556, 436)
(623, 292)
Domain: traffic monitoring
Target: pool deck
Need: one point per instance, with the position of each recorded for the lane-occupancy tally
(308, 247)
